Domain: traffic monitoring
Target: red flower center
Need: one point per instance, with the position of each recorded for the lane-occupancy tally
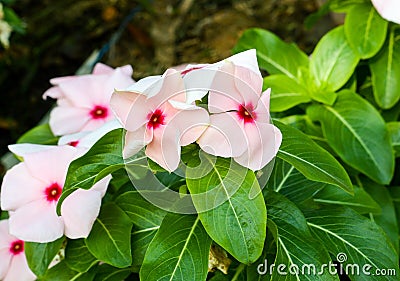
(73, 143)
(53, 192)
(17, 247)
(156, 119)
(247, 113)
(99, 112)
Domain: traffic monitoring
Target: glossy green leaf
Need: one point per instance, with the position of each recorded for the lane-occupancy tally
(296, 247)
(365, 30)
(357, 133)
(360, 201)
(285, 92)
(387, 219)
(394, 132)
(340, 6)
(310, 159)
(39, 135)
(107, 272)
(61, 272)
(146, 218)
(354, 240)
(78, 257)
(231, 207)
(179, 250)
(110, 238)
(333, 61)
(288, 181)
(40, 255)
(269, 52)
(102, 159)
(385, 71)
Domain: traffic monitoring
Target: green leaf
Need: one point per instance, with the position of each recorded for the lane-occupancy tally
(387, 219)
(274, 55)
(285, 92)
(102, 159)
(394, 132)
(40, 255)
(78, 257)
(385, 71)
(355, 240)
(288, 181)
(231, 207)
(360, 201)
(61, 272)
(333, 61)
(39, 135)
(343, 6)
(296, 247)
(365, 30)
(109, 240)
(310, 159)
(107, 272)
(146, 218)
(179, 250)
(357, 133)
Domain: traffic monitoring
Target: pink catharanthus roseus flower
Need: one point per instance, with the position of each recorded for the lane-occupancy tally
(31, 189)
(155, 115)
(240, 124)
(83, 100)
(388, 9)
(13, 263)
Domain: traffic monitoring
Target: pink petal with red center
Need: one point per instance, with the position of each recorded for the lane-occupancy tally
(130, 108)
(135, 141)
(68, 120)
(164, 149)
(248, 84)
(79, 211)
(263, 141)
(51, 165)
(246, 59)
(224, 96)
(388, 9)
(20, 188)
(224, 137)
(36, 222)
(19, 270)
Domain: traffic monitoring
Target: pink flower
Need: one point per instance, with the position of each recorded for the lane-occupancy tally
(154, 114)
(388, 9)
(83, 101)
(13, 264)
(240, 121)
(31, 189)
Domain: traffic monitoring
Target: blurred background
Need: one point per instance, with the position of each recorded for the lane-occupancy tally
(46, 39)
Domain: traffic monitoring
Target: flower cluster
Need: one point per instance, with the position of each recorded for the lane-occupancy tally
(159, 113)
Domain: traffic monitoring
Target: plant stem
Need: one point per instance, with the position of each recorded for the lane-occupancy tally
(239, 270)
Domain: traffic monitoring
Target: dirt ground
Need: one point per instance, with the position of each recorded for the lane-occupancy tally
(149, 35)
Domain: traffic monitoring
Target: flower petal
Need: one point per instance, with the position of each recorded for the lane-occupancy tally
(19, 269)
(164, 148)
(67, 120)
(130, 108)
(36, 222)
(51, 165)
(135, 141)
(388, 9)
(20, 188)
(101, 68)
(262, 109)
(248, 84)
(224, 137)
(22, 149)
(54, 93)
(5, 238)
(263, 141)
(246, 59)
(198, 80)
(5, 261)
(79, 211)
(224, 96)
